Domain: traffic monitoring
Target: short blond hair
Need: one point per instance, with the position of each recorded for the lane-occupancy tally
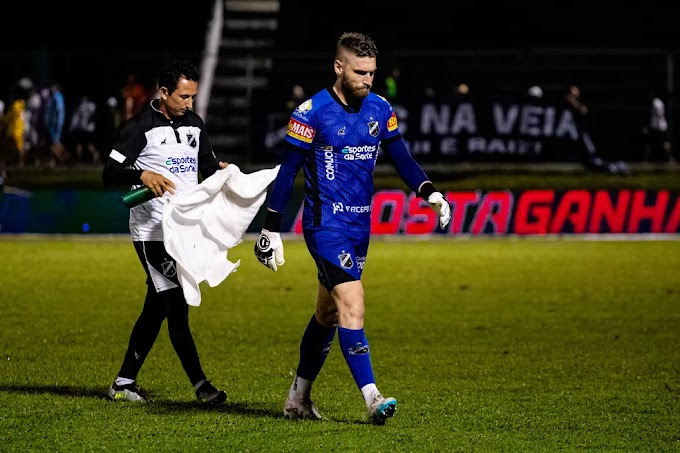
(357, 43)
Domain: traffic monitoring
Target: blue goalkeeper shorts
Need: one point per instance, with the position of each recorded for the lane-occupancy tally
(339, 255)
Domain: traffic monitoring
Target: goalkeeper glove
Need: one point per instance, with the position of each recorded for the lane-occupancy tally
(269, 249)
(439, 204)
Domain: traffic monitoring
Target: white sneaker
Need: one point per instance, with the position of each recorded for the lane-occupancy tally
(380, 409)
(128, 392)
(301, 410)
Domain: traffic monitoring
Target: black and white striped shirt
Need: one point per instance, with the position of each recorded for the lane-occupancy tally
(178, 149)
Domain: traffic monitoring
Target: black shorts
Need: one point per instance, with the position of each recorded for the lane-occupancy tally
(160, 267)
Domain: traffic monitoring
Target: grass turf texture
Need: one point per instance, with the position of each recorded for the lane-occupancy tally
(488, 345)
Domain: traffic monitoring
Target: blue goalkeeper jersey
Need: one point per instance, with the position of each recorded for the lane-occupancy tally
(341, 148)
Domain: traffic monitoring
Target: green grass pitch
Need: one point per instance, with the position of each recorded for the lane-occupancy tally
(488, 345)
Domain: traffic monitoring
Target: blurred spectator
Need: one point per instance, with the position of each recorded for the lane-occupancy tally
(13, 125)
(108, 118)
(390, 88)
(535, 92)
(23, 88)
(573, 98)
(577, 107)
(591, 156)
(13, 131)
(134, 96)
(38, 106)
(658, 141)
(82, 128)
(35, 133)
(295, 98)
(592, 159)
(462, 89)
(116, 117)
(54, 118)
(460, 93)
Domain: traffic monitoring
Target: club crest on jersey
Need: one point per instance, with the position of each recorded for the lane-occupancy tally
(342, 131)
(373, 128)
(191, 139)
(346, 260)
(169, 269)
(163, 142)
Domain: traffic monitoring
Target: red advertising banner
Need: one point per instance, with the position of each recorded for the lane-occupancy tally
(530, 212)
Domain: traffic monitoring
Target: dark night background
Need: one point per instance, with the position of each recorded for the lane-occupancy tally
(127, 27)
(95, 47)
(312, 25)
(469, 25)
(91, 50)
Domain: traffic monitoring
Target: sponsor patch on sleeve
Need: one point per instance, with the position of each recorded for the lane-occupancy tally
(300, 131)
(392, 122)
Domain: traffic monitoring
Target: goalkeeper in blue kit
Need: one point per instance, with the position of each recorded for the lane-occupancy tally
(335, 136)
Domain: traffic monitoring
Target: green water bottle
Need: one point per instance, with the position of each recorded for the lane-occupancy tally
(137, 196)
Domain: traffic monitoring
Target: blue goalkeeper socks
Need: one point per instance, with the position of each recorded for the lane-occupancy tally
(357, 355)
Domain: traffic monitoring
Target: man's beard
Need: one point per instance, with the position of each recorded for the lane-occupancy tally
(353, 95)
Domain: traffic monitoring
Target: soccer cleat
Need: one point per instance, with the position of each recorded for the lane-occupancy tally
(301, 410)
(381, 409)
(208, 394)
(127, 392)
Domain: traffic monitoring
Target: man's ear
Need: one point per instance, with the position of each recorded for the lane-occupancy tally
(337, 66)
(164, 93)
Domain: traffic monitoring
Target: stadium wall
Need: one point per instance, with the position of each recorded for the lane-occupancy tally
(393, 212)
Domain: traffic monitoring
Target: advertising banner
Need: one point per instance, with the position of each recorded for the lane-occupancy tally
(530, 212)
(493, 130)
(479, 129)
(393, 212)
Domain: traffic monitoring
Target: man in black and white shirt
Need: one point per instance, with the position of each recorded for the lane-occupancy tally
(164, 148)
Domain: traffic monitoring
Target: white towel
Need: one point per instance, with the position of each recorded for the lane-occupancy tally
(201, 224)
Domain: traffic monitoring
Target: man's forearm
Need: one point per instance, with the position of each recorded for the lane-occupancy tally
(118, 175)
